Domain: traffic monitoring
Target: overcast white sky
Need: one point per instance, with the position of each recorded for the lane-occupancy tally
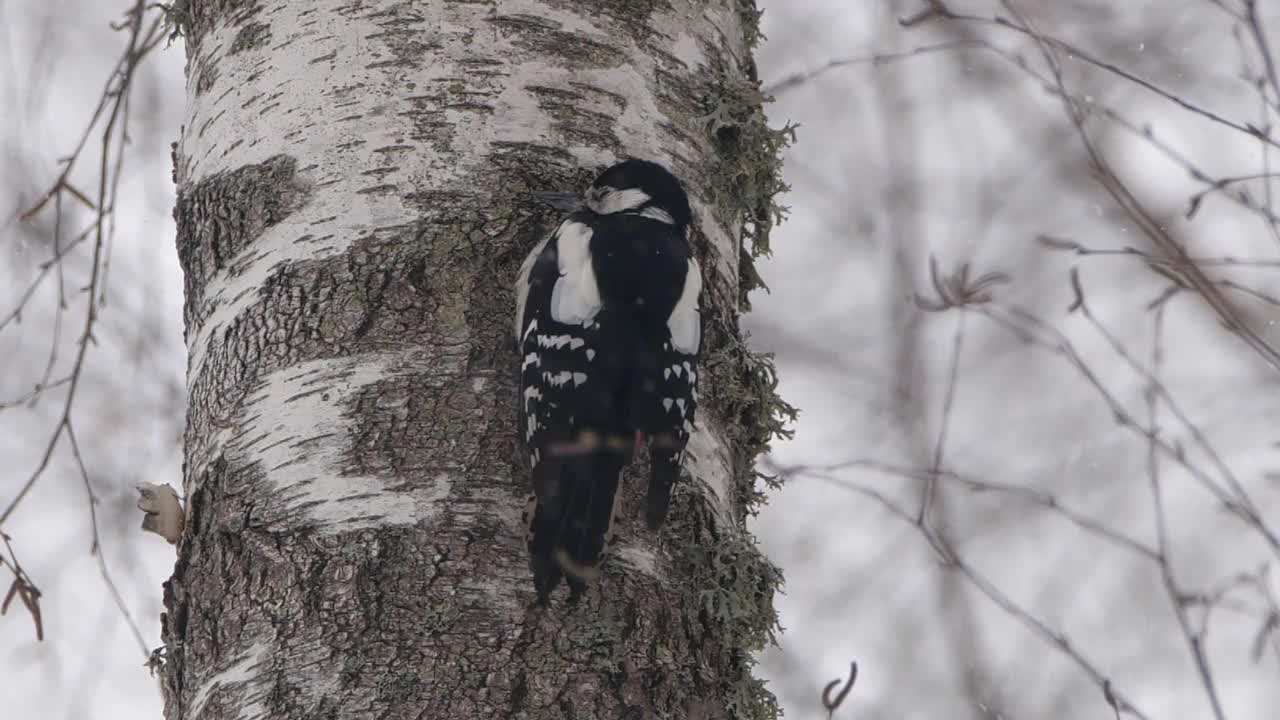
(951, 154)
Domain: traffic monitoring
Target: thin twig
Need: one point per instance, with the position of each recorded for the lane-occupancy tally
(1136, 211)
(113, 106)
(948, 402)
(1073, 52)
(1254, 22)
(795, 80)
(954, 561)
(1195, 642)
(1036, 498)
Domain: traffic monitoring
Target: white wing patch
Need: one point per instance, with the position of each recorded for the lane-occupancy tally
(555, 342)
(531, 416)
(685, 322)
(575, 299)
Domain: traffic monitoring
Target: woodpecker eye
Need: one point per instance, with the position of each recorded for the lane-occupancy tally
(596, 197)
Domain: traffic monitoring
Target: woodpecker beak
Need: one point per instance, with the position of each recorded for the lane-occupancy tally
(567, 201)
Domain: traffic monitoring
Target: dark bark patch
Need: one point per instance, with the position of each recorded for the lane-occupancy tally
(219, 217)
(203, 15)
(379, 296)
(405, 32)
(252, 36)
(545, 38)
(574, 123)
(627, 16)
(406, 424)
(206, 74)
(430, 112)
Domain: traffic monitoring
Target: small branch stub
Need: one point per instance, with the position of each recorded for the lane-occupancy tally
(164, 515)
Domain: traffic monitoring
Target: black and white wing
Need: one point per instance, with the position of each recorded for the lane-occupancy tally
(575, 476)
(676, 398)
(556, 332)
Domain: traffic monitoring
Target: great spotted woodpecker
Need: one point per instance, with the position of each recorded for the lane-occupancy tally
(609, 329)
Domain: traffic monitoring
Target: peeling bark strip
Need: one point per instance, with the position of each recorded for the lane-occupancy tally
(351, 215)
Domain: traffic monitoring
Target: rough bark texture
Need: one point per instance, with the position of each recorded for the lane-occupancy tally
(351, 214)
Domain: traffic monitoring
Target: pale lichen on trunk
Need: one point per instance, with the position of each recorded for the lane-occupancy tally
(352, 209)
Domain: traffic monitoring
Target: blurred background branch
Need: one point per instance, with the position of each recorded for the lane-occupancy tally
(144, 32)
(90, 400)
(1012, 122)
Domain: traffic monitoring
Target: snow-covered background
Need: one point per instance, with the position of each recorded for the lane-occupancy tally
(955, 155)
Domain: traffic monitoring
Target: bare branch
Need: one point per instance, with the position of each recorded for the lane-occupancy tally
(143, 25)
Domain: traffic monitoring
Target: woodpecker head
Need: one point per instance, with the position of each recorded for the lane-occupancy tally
(638, 187)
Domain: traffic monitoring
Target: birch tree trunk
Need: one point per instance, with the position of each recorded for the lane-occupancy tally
(352, 179)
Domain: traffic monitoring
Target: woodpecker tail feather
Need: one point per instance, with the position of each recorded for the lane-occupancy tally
(543, 514)
(570, 519)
